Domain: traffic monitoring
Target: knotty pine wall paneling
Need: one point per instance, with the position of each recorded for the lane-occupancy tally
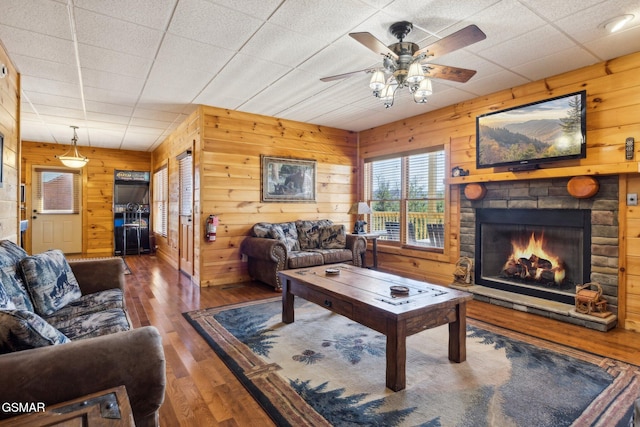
(97, 187)
(185, 137)
(613, 114)
(231, 146)
(10, 128)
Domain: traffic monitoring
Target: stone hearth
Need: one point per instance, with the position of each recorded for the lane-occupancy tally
(553, 194)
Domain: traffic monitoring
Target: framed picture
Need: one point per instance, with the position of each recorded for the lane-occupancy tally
(288, 180)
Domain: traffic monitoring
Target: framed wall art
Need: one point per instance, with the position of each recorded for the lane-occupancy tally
(288, 180)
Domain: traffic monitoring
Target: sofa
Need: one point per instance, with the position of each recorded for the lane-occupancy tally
(65, 333)
(274, 247)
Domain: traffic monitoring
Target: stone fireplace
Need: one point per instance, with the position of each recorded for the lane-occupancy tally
(532, 241)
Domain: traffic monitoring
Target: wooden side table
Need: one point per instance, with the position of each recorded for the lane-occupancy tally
(374, 237)
(105, 409)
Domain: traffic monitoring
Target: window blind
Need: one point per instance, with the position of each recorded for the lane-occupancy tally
(185, 171)
(57, 191)
(160, 201)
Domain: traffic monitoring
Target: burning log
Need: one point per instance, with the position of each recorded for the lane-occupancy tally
(535, 269)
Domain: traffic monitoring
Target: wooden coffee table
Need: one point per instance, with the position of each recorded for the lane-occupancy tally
(364, 296)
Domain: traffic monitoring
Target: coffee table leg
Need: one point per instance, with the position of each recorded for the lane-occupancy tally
(458, 335)
(396, 355)
(287, 302)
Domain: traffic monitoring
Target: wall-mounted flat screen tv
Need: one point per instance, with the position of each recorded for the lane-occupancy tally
(525, 136)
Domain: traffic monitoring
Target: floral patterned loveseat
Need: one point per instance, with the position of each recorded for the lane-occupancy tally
(282, 246)
(65, 333)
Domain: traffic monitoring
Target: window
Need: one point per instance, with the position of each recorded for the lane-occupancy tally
(185, 168)
(160, 201)
(57, 191)
(406, 195)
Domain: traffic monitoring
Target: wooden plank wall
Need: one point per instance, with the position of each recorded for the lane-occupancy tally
(613, 113)
(10, 128)
(97, 186)
(185, 137)
(227, 158)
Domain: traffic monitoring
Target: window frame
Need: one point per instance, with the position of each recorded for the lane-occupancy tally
(406, 239)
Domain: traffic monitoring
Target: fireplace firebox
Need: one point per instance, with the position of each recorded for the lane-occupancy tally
(542, 253)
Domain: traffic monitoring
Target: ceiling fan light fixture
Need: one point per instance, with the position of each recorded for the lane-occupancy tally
(388, 94)
(416, 74)
(422, 91)
(377, 82)
(72, 158)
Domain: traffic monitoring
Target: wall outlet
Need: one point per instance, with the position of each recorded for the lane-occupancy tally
(632, 199)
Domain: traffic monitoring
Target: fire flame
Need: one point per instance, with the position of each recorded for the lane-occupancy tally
(535, 253)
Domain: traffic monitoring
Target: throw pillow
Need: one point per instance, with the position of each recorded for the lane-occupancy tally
(310, 237)
(50, 281)
(5, 301)
(10, 277)
(286, 234)
(22, 330)
(333, 237)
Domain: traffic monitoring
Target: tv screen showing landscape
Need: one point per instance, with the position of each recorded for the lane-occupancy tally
(553, 129)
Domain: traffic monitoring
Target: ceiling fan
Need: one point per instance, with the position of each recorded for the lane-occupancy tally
(404, 64)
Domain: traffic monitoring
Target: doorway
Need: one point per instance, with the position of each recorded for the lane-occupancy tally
(56, 203)
(185, 172)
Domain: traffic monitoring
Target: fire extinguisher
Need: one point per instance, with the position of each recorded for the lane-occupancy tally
(211, 228)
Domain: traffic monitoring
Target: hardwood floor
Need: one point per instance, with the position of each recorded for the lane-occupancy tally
(201, 391)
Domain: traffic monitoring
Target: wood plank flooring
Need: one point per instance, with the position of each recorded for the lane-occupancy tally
(201, 391)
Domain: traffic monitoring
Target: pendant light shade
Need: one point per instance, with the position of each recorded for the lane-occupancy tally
(72, 158)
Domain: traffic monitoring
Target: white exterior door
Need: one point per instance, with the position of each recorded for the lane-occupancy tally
(56, 217)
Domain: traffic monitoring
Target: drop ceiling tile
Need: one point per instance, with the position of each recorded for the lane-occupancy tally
(104, 118)
(101, 107)
(242, 78)
(260, 9)
(102, 138)
(96, 58)
(504, 20)
(19, 42)
(213, 24)
(171, 82)
(556, 63)
(437, 15)
(494, 82)
(34, 67)
(41, 16)
(616, 44)
(289, 90)
(111, 81)
(55, 100)
(109, 96)
(279, 45)
(165, 116)
(537, 43)
(326, 20)
(60, 113)
(554, 10)
(584, 25)
(150, 123)
(180, 52)
(150, 13)
(343, 56)
(52, 87)
(115, 34)
(35, 131)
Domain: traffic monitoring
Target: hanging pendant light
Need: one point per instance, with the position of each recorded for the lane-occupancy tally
(73, 159)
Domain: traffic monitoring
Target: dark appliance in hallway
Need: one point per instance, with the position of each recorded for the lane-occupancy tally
(131, 203)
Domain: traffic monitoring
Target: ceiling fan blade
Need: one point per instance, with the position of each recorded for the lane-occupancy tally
(345, 75)
(458, 40)
(369, 41)
(461, 75)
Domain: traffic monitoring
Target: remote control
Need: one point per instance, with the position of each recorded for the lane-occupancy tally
(628, 148)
